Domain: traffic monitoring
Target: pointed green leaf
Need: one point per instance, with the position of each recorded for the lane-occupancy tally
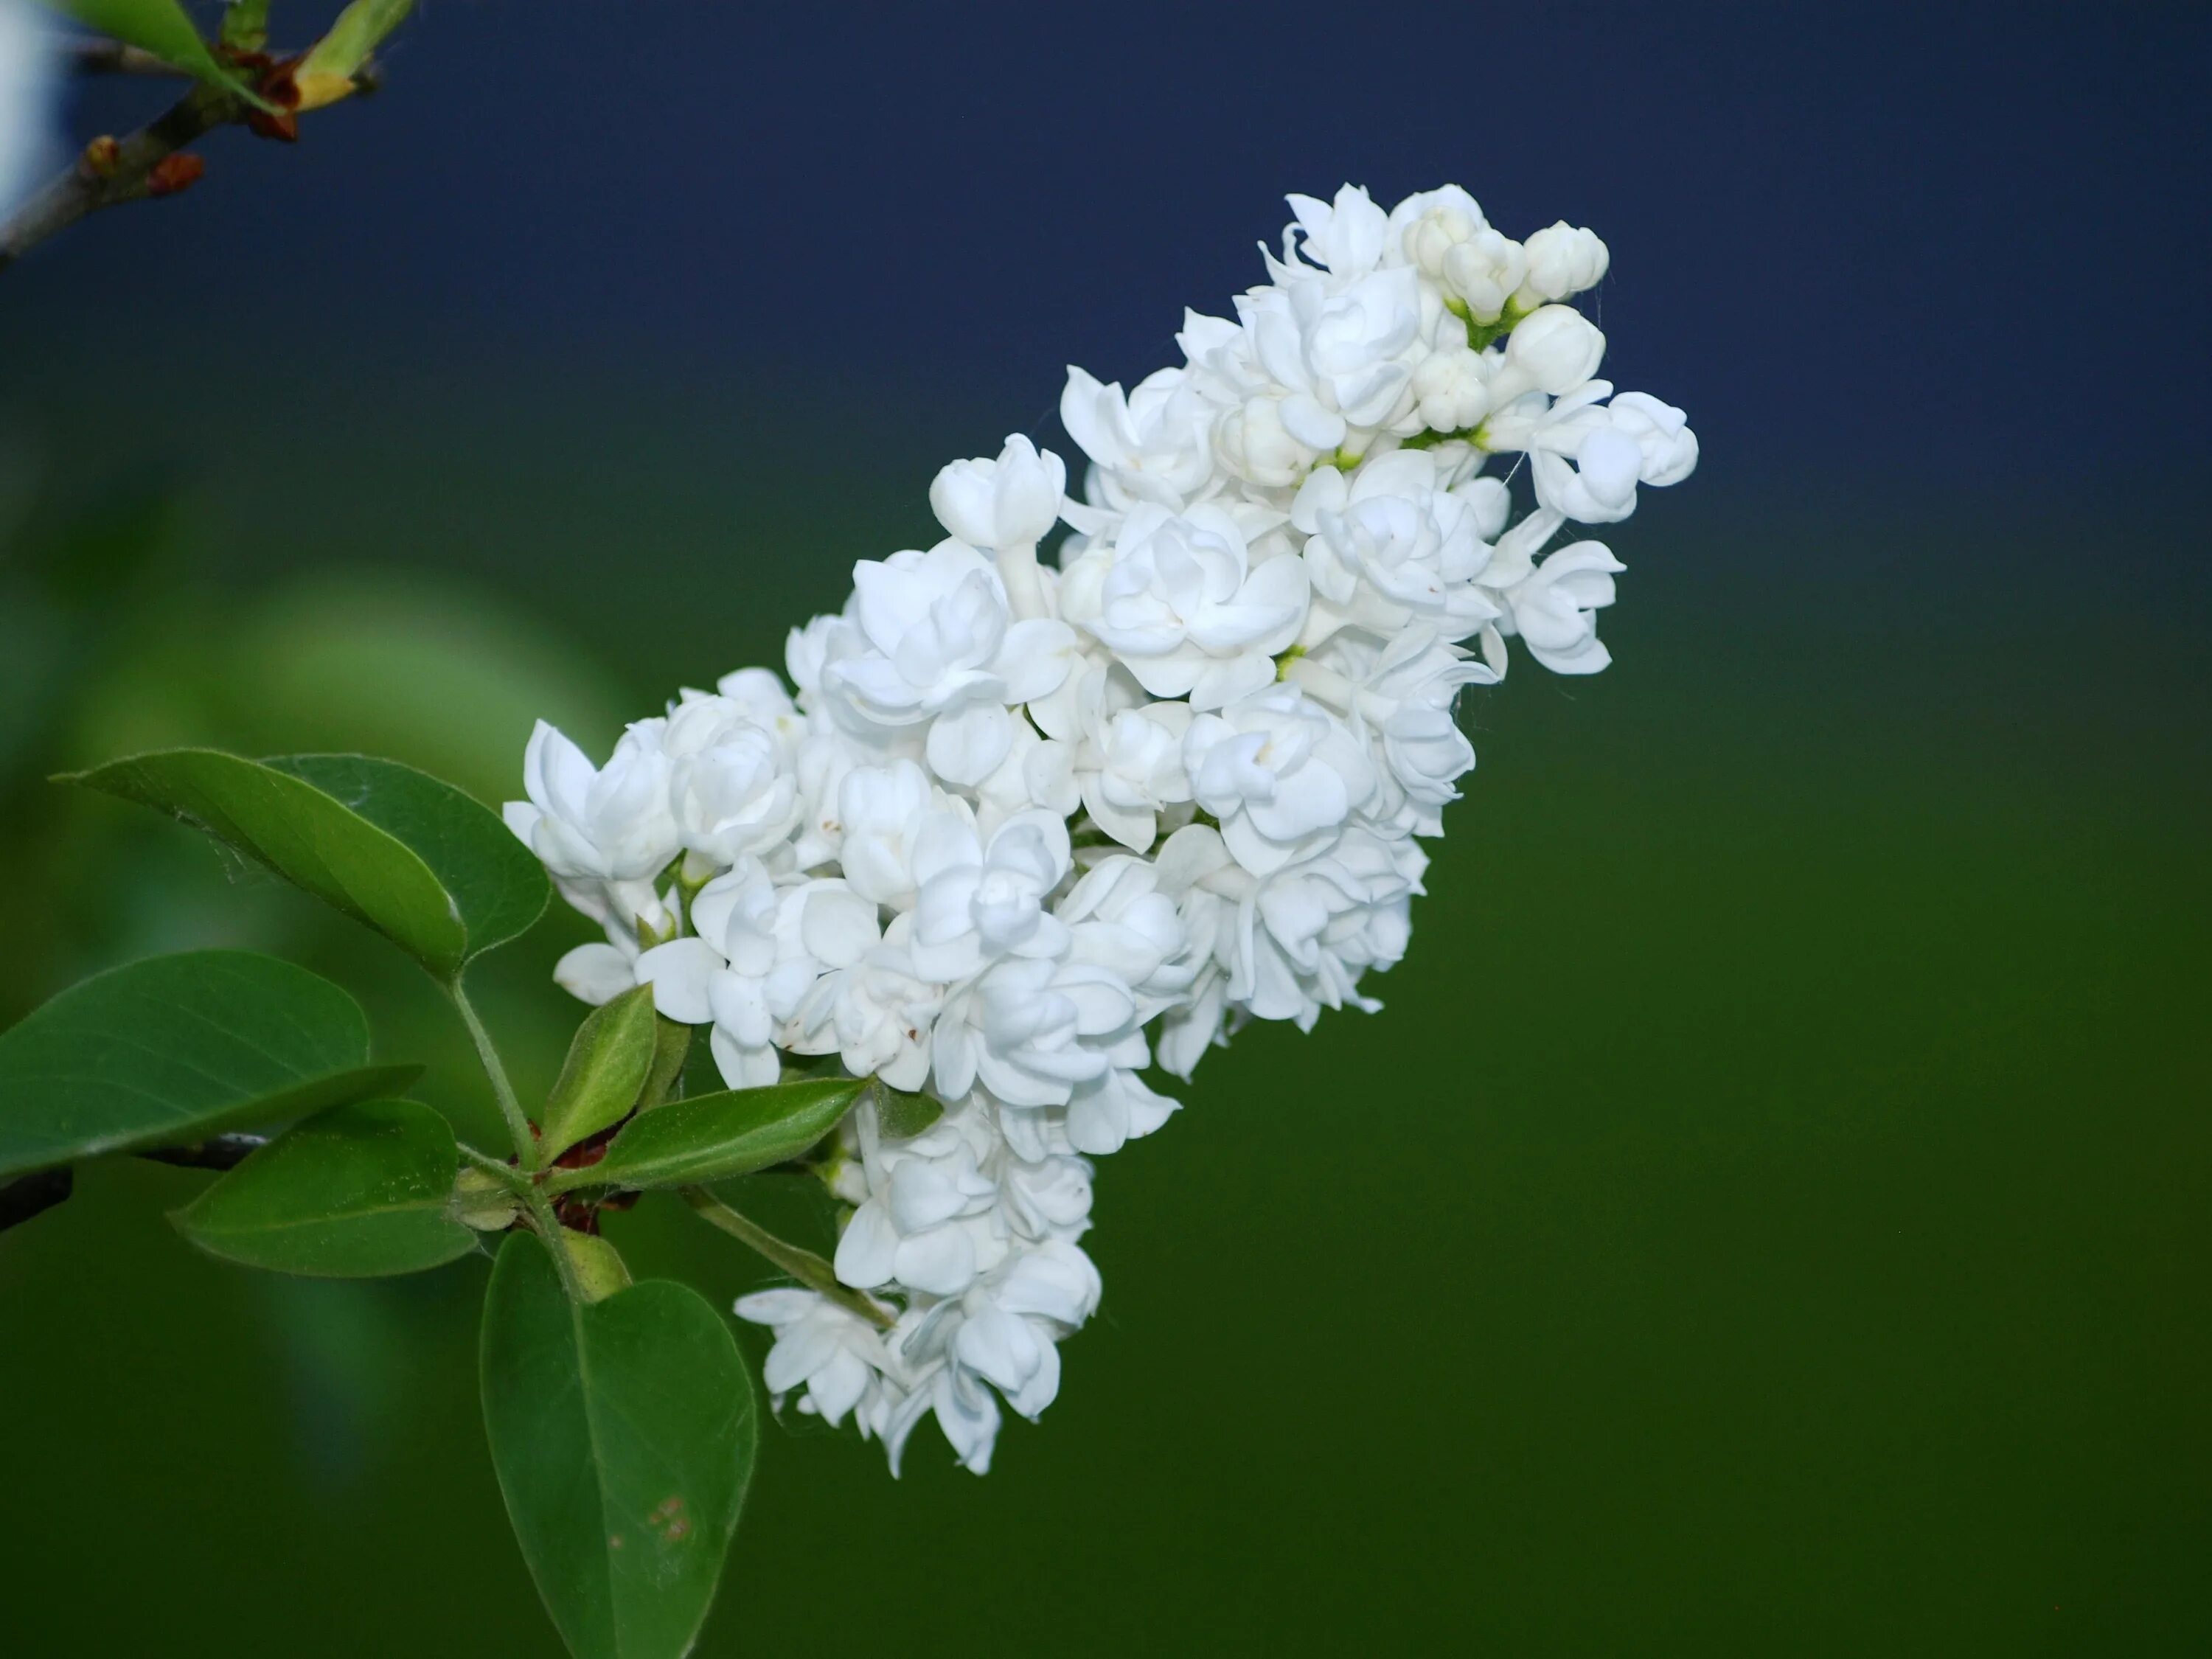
(606, 1070)
(175, 1048)
(161, 27)
(413, 858)
(355, 1193)
(711, 1138)
(356, 32)
(901, 1115)
(624, 1432)
(496, 882)
(672, 1047)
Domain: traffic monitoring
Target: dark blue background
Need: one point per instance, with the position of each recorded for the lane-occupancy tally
(1947, 248)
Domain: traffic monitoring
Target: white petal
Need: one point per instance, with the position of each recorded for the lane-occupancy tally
(677, 971)
(594, 973)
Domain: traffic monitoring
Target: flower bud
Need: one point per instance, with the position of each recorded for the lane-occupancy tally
(1252, 443)
(1012, 501)
(1563, 260)
(1483, 272)
(1451, 390)
(1554, 349)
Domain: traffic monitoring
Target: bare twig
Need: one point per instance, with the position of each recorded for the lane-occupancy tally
(215, 1152)
(267, 94)
(114, 57)
(112, 171)
(33, 1194)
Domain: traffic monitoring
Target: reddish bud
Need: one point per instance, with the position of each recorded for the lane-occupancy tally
(175, 172)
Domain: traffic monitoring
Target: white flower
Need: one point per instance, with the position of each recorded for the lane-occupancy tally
(1279, 772)
(809, 651)
(1253, 442)
(1341, 350)
(1120, 920)
(1303, 935)
(946, 649)
(1484, 273)
(828, 1350)
(759, 695)
(1178, 600)
(1388, 546)
(1554, 349)
(1347, 235)
(909, 1230)
(1563, 260)
(1110, 1110)
(732, 787)
(1408, 696)
(1002, 1331)
(1424, 228)
(882, 809)
(611, 823)
(758, 951)
(1154, 445)
(1129, 766)
(1029, 1031)
(979, 903)
(1553, 609)
(876, 1015)
(1046, 1197)
(1587, 459)
(1012, 501)
(1020, 834)
(1451, 387)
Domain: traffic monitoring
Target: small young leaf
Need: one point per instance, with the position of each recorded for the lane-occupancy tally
(901, 1115)
(711, 1138)
(607, 1067)
(160, 27)
(415, 859)
(355, 1193)
(672, 1047)
(175, 1048)
(624, 1432)
(352, 35)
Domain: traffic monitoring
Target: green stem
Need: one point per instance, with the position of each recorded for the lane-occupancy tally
(507, 1175)
(548, 1229)
(510, 1108)
(803, 1265)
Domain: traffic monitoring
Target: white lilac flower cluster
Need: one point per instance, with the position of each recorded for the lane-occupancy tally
(1024, 832)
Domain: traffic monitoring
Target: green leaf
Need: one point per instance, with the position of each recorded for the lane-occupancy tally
(172, 1049)
(901, 1115)
(494, 881)
(607, 1067)
(711, 1138)
(356, 32)
(413, 858)
(357, 1192)
(672, 1047)
(161, 27)
(246, 24)
(624, 1432)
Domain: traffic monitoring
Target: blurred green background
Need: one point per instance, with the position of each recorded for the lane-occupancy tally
(1768, 1217)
